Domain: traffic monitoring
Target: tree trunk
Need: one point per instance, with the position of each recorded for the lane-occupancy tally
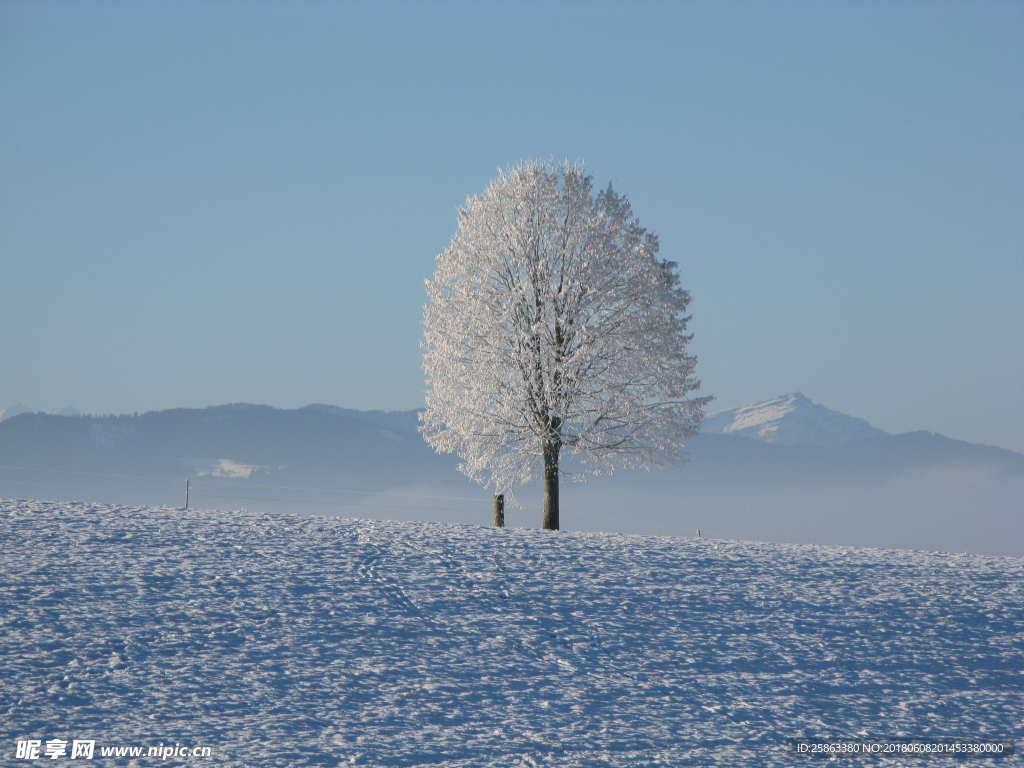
(551, 451)
(499, 510)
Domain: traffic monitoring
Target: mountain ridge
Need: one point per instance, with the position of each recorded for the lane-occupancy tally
(791, 419)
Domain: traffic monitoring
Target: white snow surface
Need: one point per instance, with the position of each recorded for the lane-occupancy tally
(792, 419)
(281, 640)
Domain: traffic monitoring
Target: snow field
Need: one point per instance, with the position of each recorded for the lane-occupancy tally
(296, 641)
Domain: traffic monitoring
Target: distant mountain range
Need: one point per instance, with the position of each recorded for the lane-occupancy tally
(19, 408)
(755, 466)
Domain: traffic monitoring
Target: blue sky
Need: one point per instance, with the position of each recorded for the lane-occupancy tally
(221, 202)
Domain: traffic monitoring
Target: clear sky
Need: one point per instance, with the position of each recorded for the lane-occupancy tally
(217, 202)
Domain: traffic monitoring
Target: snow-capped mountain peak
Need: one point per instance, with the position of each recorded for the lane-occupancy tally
(791, 419)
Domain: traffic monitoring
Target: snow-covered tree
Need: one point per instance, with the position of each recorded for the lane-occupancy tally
(551, 324)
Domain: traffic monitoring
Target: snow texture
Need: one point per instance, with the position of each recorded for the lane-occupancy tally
(792, 419)
(301, 641)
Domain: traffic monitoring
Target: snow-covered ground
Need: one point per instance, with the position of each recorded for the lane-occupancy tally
(298, 641)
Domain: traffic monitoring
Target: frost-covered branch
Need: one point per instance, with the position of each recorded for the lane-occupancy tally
(551, 322)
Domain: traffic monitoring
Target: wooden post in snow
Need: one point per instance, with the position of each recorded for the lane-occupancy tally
(499, 510)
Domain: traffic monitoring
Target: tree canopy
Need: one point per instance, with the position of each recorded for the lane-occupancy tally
(552, 323)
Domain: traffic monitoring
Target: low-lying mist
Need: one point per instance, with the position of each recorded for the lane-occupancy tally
(955, 509)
